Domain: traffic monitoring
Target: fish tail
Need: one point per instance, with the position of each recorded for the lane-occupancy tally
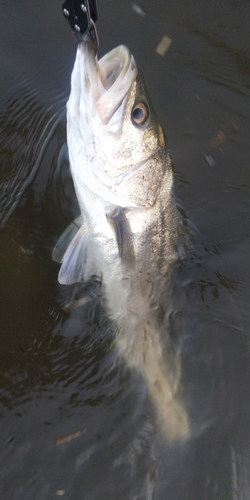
(163, 384)
(143, 350)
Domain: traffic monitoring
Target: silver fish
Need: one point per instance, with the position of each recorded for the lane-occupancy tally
(128, 229)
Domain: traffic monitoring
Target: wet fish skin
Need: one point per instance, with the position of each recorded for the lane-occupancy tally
(117, 164)
(123, 178)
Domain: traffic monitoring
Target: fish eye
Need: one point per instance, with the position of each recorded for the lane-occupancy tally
(139, 114)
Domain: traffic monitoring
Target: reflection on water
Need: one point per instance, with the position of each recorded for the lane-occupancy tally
(76, 421)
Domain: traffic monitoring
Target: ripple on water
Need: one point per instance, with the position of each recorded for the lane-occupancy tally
(26, 128)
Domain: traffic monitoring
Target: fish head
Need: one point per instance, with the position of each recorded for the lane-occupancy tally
(116, 146)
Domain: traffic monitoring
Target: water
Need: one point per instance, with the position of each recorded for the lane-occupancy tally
(75, 421)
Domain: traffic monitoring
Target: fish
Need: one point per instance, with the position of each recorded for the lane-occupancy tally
(128, 230)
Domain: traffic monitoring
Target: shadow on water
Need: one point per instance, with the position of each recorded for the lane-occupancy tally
(76, 422)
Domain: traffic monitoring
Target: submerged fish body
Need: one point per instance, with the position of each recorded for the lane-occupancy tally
(123, 178)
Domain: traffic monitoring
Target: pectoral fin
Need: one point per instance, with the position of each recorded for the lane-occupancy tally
(65, 239)
(77, 263)
(123, 234)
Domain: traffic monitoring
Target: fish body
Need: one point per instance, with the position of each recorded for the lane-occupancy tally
(122, 173)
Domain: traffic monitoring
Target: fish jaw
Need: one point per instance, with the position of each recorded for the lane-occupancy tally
(101, 85)
(93, 114)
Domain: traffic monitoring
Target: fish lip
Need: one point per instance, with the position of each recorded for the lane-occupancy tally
(109, 79)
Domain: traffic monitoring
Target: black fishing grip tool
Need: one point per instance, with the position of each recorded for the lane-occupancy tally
(81, 16)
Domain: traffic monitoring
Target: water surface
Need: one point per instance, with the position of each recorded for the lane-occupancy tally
(76, 422)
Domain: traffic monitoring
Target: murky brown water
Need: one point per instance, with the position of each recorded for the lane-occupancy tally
(75, 421)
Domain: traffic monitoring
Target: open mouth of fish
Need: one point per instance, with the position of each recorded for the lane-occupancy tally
(95, 113)
(109, 78)
(99, 87)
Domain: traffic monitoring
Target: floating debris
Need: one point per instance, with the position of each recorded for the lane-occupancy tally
(209, 159)
(215, 141)
(69, 438)
(138, 9)
(164, 45)
(60, 493)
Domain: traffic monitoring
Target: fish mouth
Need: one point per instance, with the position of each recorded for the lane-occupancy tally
(115, 66)
(95, 108)
(110, 79)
